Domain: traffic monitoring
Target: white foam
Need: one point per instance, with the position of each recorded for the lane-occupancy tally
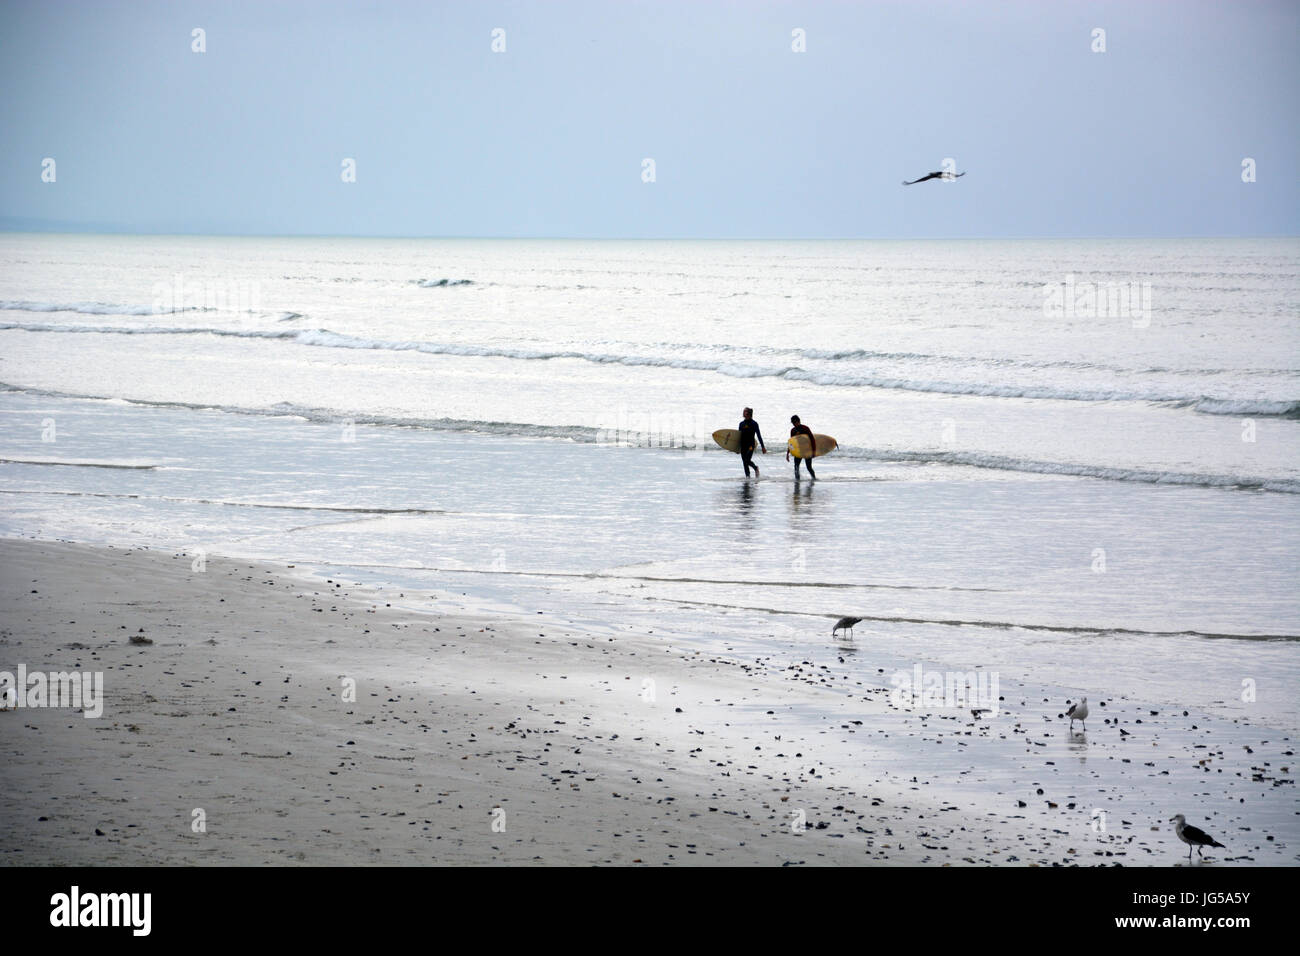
(91, 308)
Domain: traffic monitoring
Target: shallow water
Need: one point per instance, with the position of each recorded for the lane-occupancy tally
(1175, 593)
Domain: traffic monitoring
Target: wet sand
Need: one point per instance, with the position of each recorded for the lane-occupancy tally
(497, 739)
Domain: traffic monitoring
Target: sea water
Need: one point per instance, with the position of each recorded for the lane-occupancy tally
(1072, 462)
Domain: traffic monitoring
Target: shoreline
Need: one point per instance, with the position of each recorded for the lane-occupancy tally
(236, 710)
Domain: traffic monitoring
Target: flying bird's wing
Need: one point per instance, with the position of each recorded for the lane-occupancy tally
(939, 175)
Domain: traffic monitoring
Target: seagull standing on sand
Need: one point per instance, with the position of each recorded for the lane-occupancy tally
(845, 623)
(1078, 712)
(1192, 836)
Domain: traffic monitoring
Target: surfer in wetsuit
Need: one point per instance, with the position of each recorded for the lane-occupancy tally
(750, 436)
(799, 429)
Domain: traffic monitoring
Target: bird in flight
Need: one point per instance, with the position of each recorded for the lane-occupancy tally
(1192, 836)
(939, 175)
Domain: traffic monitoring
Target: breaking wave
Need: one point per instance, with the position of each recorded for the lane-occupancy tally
(323, 338)
(592, 435)
(1077, 470)
(93, 308)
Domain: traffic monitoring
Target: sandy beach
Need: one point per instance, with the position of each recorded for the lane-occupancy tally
(236, 709)
(619, 749)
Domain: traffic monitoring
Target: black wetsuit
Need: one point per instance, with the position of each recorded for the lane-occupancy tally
(750, 438)
(807, 462)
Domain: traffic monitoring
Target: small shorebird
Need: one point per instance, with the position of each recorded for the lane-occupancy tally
(845, 623)
(1192, 836)
(1078, 712)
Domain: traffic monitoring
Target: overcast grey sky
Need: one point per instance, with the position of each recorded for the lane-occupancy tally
(748, 137)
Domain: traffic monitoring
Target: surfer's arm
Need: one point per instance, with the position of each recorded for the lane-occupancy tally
(758, 433)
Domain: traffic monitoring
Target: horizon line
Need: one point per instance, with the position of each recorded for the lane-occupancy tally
(660, 238)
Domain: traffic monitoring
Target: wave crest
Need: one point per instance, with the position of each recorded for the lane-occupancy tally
(94, 308)
(324, 338)
(593, 435)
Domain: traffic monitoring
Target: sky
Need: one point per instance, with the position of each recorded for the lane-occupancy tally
(748, 138)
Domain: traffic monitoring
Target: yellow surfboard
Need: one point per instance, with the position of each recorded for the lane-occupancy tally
(728, 438)
(799, 446)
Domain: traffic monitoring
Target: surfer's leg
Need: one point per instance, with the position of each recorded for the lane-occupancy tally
(745, 455)
(811, 474)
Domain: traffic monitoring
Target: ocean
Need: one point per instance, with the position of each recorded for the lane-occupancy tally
(1074, 463)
